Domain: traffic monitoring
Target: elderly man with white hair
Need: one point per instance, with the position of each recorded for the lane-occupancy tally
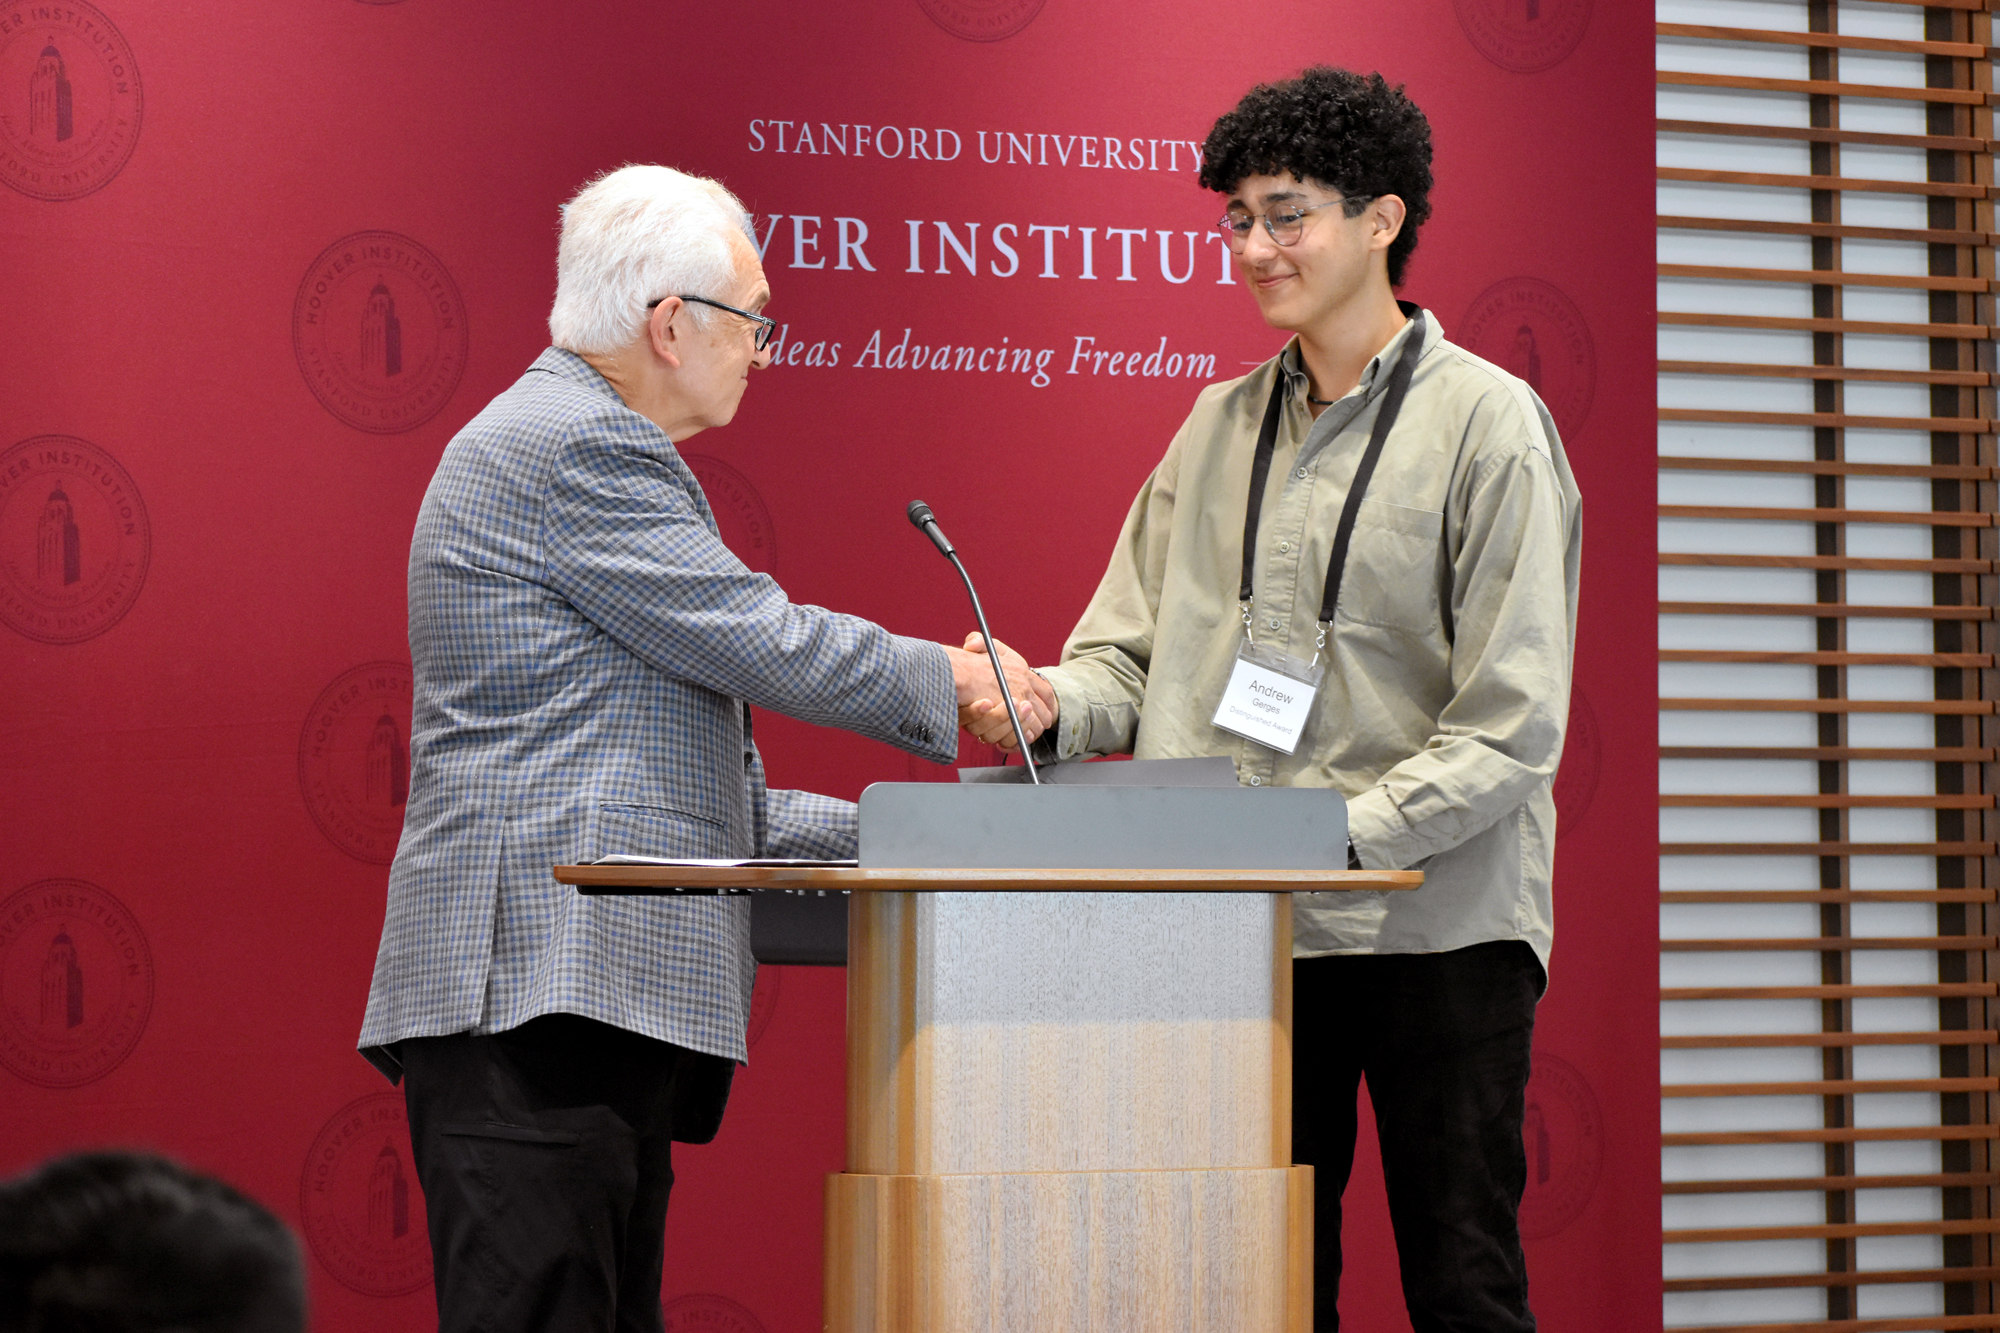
(585, 652)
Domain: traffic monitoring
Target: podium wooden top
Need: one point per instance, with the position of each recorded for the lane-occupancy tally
(667, 879)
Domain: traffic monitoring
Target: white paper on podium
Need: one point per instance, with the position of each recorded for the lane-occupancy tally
(717, 862)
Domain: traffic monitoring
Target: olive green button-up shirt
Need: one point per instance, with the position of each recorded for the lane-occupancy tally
(1441, 715)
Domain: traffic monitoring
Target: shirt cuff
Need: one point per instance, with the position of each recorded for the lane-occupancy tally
(1070, 736)
(1380, 833)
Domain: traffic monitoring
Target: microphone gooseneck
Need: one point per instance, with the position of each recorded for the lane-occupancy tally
(921, 518)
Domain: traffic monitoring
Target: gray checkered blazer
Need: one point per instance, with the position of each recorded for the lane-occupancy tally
(584, 649)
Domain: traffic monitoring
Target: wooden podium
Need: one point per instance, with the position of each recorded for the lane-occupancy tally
(1068, 1096)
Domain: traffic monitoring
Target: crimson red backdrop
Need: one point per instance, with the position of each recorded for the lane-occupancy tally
(1000, 294)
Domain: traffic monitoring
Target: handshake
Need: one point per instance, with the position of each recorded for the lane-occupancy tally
(980, 707)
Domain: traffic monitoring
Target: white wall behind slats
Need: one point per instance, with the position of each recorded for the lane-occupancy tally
(1784, 633)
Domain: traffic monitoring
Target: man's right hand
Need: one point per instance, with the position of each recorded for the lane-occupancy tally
(980, 710)
(985, 718)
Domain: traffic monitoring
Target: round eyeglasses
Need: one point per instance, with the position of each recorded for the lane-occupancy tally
(1284, 224)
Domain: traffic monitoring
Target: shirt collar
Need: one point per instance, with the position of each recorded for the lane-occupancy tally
(568, 365)
(1374, 376)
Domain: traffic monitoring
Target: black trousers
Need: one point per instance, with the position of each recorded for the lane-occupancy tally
(1442, 1040)
(545, 1158)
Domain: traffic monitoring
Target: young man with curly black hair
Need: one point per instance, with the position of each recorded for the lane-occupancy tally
(1381, 516)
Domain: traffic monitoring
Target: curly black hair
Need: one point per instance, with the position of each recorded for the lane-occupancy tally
(122, 1242)
(1349, 132)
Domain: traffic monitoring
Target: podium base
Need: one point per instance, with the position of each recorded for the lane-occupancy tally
(1222, 1251)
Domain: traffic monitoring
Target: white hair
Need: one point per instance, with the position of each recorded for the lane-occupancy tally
(634, 235)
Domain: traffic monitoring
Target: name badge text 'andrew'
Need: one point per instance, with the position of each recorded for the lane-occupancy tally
(1265, 705)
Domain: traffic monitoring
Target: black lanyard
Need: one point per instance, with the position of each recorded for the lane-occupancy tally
(1260, 469)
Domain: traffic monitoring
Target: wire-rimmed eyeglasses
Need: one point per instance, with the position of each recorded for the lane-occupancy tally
(767, 327)
(1284, 224)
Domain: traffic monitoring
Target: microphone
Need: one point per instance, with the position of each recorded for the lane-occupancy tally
(920, 517)
(920, 514)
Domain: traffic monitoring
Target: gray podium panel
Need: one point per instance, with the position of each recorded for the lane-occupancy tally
(1013, 827)
(999, 822)
(1213, 770)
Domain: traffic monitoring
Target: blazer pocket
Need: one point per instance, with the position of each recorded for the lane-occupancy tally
(1392, 575)
(486, 1129)
(653, 830)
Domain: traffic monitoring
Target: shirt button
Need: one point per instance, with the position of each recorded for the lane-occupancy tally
(1301, 474)
(1256, 781)
(1284, 546)
(1273, 622)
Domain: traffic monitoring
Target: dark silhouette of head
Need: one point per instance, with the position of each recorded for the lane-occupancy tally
(121, 1242)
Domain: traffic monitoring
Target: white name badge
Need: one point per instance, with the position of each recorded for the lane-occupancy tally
(1269, 697)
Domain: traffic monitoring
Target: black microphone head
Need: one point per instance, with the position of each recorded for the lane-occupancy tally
(922, 520)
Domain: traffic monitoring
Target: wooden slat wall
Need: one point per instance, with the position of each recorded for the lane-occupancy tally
(1828, 684)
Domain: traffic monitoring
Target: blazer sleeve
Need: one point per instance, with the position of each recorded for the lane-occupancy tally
(808, 825)
(626, 542)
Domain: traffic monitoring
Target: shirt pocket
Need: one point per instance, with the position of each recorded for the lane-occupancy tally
(653, 830)
(1391, 578)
